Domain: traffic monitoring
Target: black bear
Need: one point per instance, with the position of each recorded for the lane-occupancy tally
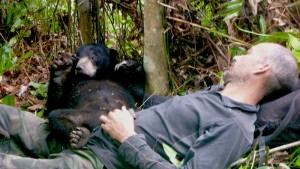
(87, 85)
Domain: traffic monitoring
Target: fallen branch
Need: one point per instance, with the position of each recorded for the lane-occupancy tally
(276, 149)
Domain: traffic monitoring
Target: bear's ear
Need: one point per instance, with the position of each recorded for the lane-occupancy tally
(113, 53)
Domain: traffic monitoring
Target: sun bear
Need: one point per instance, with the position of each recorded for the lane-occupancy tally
(87, 85)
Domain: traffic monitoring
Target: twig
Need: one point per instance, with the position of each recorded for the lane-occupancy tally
(208, 29)
(3, 38)
(284, 147)
(280, 148)
(217, 48)
(26, 73)
(168, 6)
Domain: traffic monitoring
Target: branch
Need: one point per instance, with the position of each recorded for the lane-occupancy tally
(276, 149)
(208, 29)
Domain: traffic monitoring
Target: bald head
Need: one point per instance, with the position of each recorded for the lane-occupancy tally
(283, 65)
(271, 51)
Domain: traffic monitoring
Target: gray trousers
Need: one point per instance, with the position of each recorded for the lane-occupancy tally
(24, 144)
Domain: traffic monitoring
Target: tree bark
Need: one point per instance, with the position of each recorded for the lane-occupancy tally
(85, 21)
(155, 55)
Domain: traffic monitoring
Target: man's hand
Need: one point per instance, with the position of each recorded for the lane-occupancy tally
(118, 124)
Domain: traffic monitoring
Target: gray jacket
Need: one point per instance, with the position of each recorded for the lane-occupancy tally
(205, 129)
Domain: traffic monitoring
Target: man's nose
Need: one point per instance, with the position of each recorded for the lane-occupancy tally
(237, 58)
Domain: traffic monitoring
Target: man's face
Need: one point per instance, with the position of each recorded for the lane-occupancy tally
(242, 67)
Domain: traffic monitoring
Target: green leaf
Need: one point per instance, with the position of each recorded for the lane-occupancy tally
(9, 100)
(232, 14)
(283, 166)
(40, 113)
(295, 43)
(34, 84)
(12, 41)
(171, 153)
(231, 9)
(9, 16)
(264, 167)
(25, 56)
(275, 37)
(205, 22)
(231, 3)
(40, 90)
(297, 56)
(18, 23)
(237, 50)
(220, 74)
(182, 93)
(296, 158)
(27, 33)
(262, 24)
(297, 162)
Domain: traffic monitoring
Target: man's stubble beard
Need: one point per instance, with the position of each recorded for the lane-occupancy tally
(234, 76)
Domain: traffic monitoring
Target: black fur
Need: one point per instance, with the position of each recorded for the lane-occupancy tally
(76, 100)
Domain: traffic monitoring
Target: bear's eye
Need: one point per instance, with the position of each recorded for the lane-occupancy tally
(94, 58)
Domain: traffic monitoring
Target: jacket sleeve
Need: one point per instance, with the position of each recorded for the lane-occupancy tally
(217, 148)
(152, 100)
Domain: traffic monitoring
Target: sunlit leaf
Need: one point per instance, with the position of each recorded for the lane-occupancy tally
(220, 74)
(40, 90)
(18, 23)
(232, 15)
(297, 162)
(284, 166)
(9, 100)
(295, 43)
(12, 41)
(297, 56)
(237, 50)
(231, 9)
(275, 37)
(171, 153)
(262, 24)
(182, 93)
(295, 156)
(231, 3)
(40, 113)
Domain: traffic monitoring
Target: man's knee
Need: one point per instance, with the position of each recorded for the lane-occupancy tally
(77, 159)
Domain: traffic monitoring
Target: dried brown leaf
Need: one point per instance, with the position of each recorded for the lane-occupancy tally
(36, 107)
(253, 5)
(8, 88)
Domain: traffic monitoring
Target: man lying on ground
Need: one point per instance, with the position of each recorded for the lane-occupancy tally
(207, 129)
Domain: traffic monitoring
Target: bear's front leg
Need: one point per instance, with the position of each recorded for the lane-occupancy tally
(60, 82)
(79, 137)
(62, 67)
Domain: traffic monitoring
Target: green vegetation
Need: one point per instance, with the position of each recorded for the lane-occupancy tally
(202, 35)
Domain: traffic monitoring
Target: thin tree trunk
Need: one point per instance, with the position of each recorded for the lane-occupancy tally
(85, 21)
(155, 57)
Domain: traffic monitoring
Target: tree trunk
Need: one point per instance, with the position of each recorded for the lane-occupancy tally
(85, 21)
(155, 57)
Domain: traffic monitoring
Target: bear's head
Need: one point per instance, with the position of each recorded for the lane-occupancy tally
(95, 60)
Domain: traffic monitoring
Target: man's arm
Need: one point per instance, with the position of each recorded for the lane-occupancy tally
(216, 148)
(152, 100)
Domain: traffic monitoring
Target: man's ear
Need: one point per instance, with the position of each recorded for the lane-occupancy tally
(262, 68)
